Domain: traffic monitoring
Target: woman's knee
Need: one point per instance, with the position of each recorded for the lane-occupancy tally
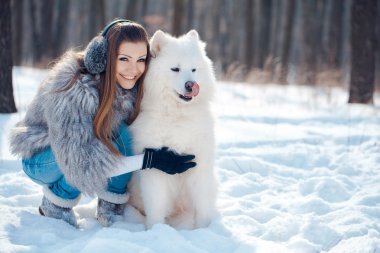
(42, 167)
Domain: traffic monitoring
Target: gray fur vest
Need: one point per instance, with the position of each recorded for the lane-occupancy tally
(63, 120)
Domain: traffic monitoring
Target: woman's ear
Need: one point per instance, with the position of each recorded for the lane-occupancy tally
(158, 39)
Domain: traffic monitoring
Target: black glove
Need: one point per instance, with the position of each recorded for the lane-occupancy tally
(167, 161)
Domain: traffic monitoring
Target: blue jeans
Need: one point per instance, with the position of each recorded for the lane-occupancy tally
(43, 169)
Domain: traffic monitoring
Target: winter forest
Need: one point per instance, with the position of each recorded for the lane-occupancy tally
(297, 119)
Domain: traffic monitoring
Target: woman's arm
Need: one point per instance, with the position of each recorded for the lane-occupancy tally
(162, 159)
(84, 160)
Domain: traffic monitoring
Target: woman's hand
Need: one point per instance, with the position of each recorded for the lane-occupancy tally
(167, 161)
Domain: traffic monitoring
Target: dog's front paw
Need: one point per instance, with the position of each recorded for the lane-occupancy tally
(151, 221)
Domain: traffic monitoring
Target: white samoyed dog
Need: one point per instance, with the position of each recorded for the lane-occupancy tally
(176, 113)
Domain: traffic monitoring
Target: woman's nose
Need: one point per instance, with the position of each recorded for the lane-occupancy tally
(133, 67)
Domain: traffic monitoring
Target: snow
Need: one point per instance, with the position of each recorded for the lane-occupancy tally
(299, 171)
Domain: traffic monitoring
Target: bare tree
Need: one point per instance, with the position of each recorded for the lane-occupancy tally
(131, 12)
(215, 46)
(60, 28)
(249, 26)
(17, 30)
(46, 31)
(242, 35)
(309, 42)
(143, 10)
(282, 73)
(273, 42)
(262, 49)
(190, 14)
(97, 20)
(274, 29)
(179, 10)
(334, 37)
(7, 104)
(363, 39)
(36, 39)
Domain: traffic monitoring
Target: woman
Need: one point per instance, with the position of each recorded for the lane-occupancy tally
(74, 138)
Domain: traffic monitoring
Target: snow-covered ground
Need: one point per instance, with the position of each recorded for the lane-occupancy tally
(299, 171)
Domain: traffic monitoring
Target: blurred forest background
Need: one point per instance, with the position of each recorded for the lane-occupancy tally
(312, 42)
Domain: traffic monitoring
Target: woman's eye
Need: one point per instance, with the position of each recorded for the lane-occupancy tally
(193, 70)
(175, 69)
(141, 60)
(123, 59)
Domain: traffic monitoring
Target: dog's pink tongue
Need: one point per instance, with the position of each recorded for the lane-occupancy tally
(194, 91)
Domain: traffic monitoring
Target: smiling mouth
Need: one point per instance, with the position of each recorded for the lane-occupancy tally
(128, 77)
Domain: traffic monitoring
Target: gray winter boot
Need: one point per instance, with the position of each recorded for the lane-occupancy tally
(107, 211)
(48, 209)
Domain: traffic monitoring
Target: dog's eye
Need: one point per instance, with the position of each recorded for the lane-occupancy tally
(175, 69)
(193, 70)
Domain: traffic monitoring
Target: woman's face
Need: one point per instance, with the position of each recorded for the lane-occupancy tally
(130, 63)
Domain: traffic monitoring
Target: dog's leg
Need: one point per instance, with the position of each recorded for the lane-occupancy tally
(203, 194)
(155, 198)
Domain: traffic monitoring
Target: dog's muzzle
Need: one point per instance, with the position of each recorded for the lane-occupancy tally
(192, 90)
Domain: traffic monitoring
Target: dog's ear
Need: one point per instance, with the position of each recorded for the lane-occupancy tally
(193, 34)
(158, 39)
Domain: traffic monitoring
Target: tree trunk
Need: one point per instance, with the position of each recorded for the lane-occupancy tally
(377, 64)
(36, 16)
(281, 77)
(7, 104)
(309, 44)
(190, 14)
(97, 21)
(335, 34)
(274, 39)
(144, 10)
(179, 12)
(264, 28)
(363, 39)
(214, 47)
(249, 26)
(274, 29)
(17, 8)
(46, 33)
(131, 13)
(60, 28)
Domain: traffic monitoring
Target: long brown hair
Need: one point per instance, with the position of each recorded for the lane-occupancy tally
(118, 33)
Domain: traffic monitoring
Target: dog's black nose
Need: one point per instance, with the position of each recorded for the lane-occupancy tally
(189, 86)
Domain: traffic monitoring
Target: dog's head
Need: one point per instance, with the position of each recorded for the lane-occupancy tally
(179, 69)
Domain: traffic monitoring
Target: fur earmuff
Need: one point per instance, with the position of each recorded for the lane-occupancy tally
(95, 55)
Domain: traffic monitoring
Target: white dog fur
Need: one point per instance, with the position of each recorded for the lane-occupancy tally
(184, 200)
